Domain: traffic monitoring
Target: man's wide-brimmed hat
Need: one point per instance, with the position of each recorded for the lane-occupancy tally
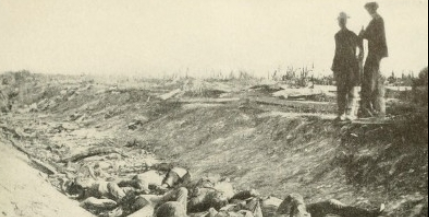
(372, 6)
(343, 16)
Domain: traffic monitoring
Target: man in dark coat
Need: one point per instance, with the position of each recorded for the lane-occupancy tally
(346, 68)
(372, 86)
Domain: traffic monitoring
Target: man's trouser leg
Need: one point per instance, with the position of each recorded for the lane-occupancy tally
(182, 198)
(171, 179)
(370, 83)
(115, 191)
(377, 92)
(201, 200)
(350, 91)
(341, 94)
(170, 209)
(179, 195)
(351, 100)
(96, 203)
(379, 100)
(141, 184)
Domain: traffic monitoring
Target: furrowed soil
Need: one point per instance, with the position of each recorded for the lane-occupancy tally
(274, 145)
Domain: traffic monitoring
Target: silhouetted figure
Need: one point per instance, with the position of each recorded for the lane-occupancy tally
(373, 103)
(346, 68)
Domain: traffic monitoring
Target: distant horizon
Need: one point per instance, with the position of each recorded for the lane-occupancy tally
(214, 75)
(154, 38)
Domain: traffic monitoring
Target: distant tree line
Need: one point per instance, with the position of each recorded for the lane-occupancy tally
(403, 79)
(304, 75)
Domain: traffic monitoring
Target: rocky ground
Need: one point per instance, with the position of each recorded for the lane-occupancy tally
(264, 135)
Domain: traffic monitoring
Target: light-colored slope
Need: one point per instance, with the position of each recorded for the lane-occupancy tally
(25, 193)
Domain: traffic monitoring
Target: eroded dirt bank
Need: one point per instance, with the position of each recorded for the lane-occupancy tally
(26, 192)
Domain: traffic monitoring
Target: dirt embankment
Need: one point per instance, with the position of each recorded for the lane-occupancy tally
(361, 165)
(25, 192)
(261, 146)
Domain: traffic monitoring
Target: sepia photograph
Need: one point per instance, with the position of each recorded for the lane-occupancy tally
(214, 108)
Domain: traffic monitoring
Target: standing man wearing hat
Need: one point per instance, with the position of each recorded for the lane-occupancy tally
(372, 87)
(346, 68)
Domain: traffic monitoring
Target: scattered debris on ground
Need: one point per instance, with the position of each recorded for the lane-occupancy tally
(244, 132)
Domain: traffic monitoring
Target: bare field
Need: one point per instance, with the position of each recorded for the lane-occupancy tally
(264, 135)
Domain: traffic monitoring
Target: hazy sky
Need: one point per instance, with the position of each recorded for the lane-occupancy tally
(153, 37)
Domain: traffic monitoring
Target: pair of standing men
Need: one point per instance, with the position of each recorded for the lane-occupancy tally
(347, 69)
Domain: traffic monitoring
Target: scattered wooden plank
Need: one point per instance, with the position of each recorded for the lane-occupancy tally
(89, 153)
(267, 88)
(267, 101)
(304, 96)
(310, 102)
(259, 100)
(209, 100)
(297, 115)
(44, 167)
(286, 103)
(170, 94)
(374, 121)
(299, 93)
